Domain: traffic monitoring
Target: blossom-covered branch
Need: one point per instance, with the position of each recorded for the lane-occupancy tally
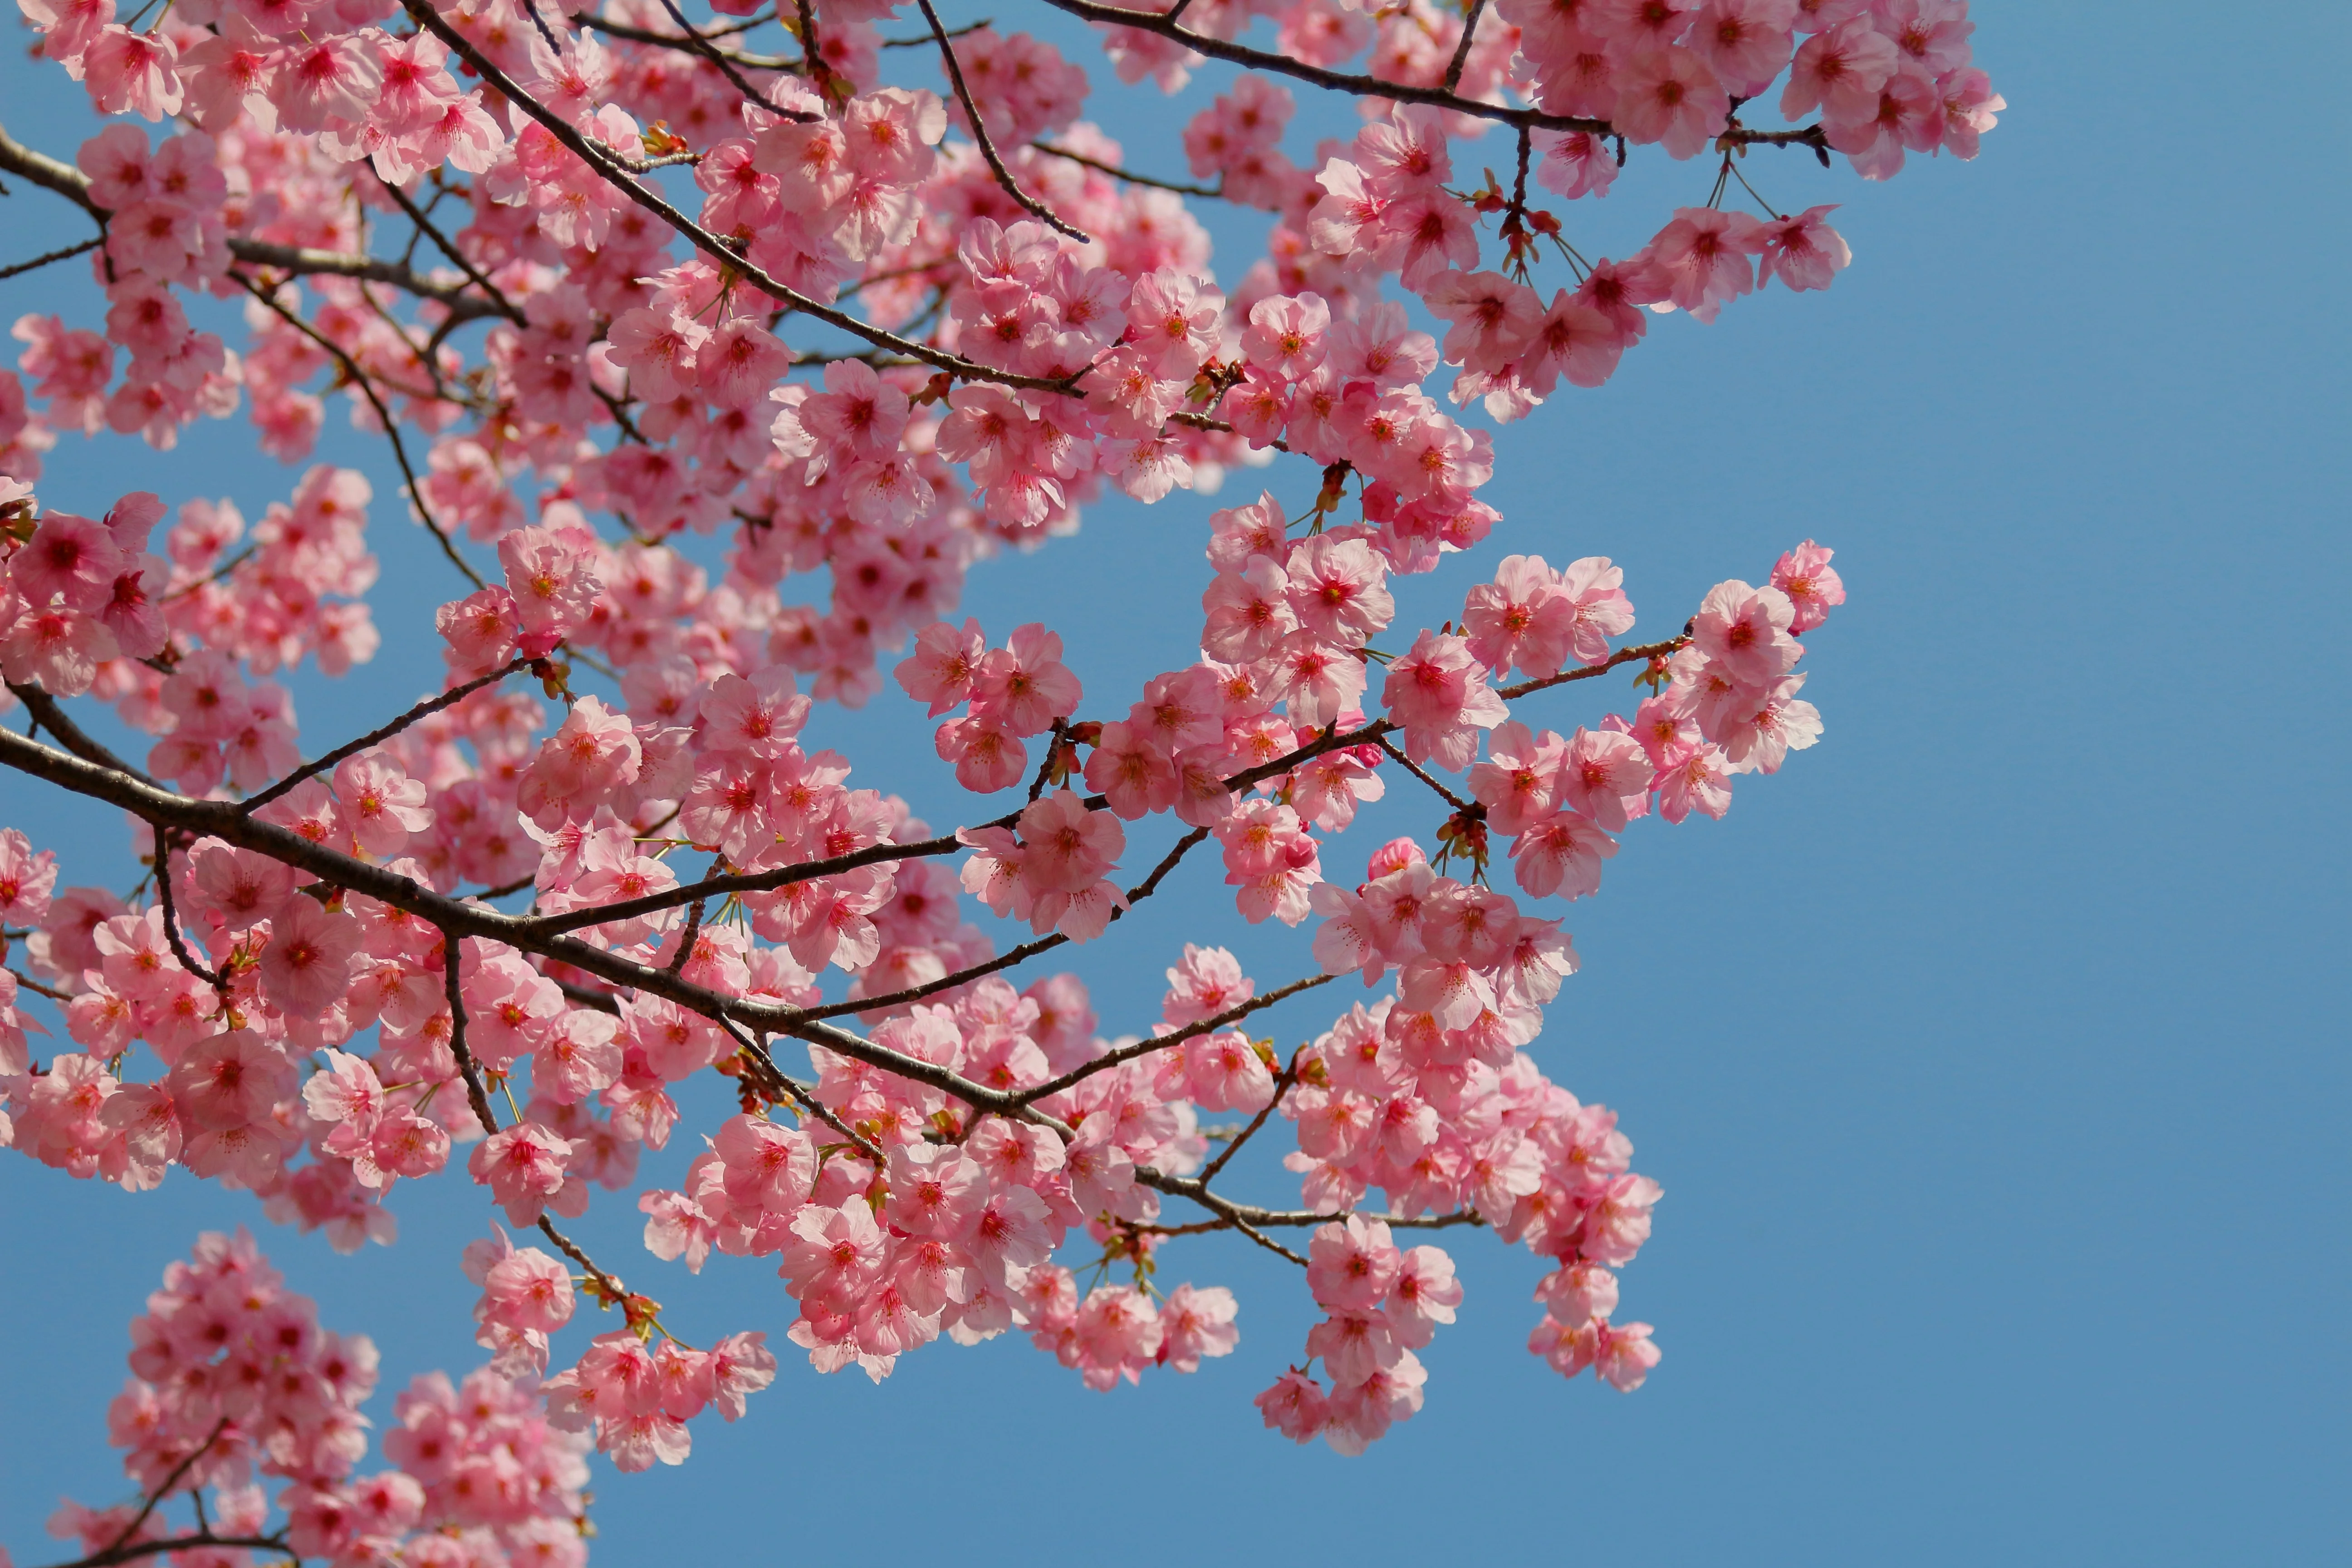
(701, 530)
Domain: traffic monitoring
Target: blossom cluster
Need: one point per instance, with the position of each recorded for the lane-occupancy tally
(712, 447)
(236, 1385)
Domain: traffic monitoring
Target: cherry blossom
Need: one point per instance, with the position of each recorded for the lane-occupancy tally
(703, 457)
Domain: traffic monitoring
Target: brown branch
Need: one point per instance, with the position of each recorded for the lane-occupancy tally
(164, 846)
(1586, 672)
(459, 918)
(1116, 172)
(1046, 766)
(1209, 1026)
(160, 1493)
(1461, 50)
(1456, 801)
(785, 63)
(749, 882)
(811, 54)
(1283, 1084)
(35, 986)
(572, 1249)
(453, 959)
(57, 722)
(1021, 954)
(778, 1085)
(1166, 25)
(789, 64)
(220, 573)
(727, 67)
(447, 247)
(686, 943)
(360, 379)
(70, 183)
(1237, 1216)
(925, 42)
(68, 254)
(136, 1549)
(1271, 1218)
(381, 733)
(594, 1000)
(949, 843)
(987, 148)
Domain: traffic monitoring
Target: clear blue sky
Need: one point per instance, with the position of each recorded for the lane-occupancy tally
(1993, 1057)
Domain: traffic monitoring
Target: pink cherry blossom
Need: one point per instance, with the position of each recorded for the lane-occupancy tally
(523, 1167)
(745, 439)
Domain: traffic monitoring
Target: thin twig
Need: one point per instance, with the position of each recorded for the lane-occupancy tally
(980, 134)
(572, 1249)
(442, 242)
(1018, 955)
(1053, 151)
(711, 52)
(452, 961)
(1282, 1086)
(925, 42)
(133, 1551)
(383, 733)
(811, 52)
(59, 722)
(1585, 672)
(360, 379)
(70, 183)
(219, 573)
(68, 254)
(160, 1493)
(164, 846)
(1209, 1026)
(1456, 801)
(1315, 1216)
(462, 917)
(1461, 50)
(1165, 25)
(35, 986)
(676, 964)
(778, 1084)
(1045, 768)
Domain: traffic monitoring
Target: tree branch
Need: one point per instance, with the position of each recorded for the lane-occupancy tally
(57, 722)
(1456, 801)
(360, 379)
(1461, 50)
(1116, 172)
(453, 960)
(381, 733)
(1586, 672)
(980, 134)
(1209, 1026)
(68, 254)
(1167, 26)
(1295, 1217)
(160, 1493)
(136, 1549)
(74, 185)
(1282, 1086)
(1011, 957)
(711, 51)
(164, 846)
(455, 917)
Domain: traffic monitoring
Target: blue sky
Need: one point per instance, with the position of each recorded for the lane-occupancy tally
(1991, 1055)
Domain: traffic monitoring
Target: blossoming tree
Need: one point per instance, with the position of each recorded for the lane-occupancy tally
(710, 350)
